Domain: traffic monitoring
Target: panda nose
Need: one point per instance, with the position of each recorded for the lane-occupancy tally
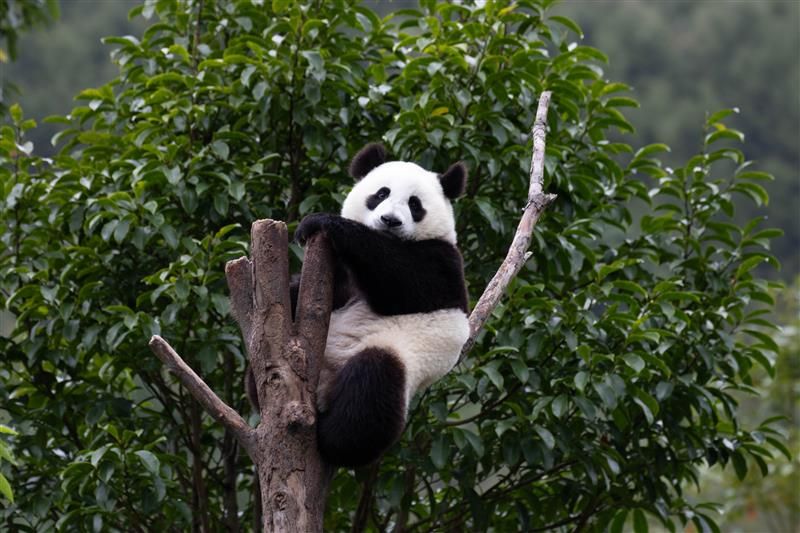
(390, 221)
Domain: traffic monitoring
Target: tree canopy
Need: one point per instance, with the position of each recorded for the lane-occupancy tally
(602, 383)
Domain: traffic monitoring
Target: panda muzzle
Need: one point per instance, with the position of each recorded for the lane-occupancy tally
(391, 221)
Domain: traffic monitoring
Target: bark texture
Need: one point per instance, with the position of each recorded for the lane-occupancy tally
(285, 355)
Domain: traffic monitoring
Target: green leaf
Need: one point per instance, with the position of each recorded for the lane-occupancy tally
(560, 405)
(108, 229)
(639, 521)
(493, 373)
(489, 214)
(568, 23)
(170, 235)
(122, 230)
(279, 6)
(581, 378)
(781, 447)
(221, 204)
(664, 390)
(756, 192)
(650, 149)
(705, 524)
(546, 436)
(5, 453)
(314, 59)
(739, 465)
(221, 149)
(474, 441)
(440, 452)
(724, 134)
(98, 454)
(16, 114)
(618, 522)
(520, 370)
(634, 361)
(606, 394)
(149, 460)
(237, 190)
(5, 488)
(647, 403)
(755, 176)
(224, 230)
(621, 101)
(719, 115)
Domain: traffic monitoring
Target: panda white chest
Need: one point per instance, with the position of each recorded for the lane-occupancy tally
(428, 344)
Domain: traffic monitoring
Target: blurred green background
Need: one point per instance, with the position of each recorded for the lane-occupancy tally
(683, 60)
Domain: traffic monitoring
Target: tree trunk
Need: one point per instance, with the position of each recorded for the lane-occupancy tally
(285, 359)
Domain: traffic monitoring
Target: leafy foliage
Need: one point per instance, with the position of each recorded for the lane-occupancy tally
(767, 500)
(602, 383)
(673, 83)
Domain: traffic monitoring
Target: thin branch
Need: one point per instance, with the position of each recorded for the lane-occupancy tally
(486, 410)
(364, 508)
(196, 43)
(518, 251)
(201, 392)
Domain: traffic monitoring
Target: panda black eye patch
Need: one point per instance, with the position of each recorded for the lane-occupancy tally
(374, 200)
(417, 211)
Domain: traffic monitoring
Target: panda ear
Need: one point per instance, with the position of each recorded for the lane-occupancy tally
(454, 180)
(369, 157)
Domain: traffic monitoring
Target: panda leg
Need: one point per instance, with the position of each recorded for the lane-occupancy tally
(366, 409)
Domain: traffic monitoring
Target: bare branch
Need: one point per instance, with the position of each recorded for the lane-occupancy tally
(518, 251)
(201, 392)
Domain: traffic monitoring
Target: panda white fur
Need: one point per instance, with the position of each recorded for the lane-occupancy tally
(400, 302)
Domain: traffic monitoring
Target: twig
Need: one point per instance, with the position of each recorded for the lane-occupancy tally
(518, 251)
(201, 392)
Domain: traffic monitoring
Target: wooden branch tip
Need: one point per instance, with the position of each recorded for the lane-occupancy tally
(239, 274)
(201, 392)
(518, 253)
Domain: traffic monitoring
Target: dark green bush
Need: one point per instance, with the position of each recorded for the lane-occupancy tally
(601, 385)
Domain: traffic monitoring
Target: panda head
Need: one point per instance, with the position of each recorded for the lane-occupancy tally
(403, 198)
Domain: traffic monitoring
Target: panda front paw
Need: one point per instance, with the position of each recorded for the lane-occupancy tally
(310, 226)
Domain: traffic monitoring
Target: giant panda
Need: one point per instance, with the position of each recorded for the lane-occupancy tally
(399, 317)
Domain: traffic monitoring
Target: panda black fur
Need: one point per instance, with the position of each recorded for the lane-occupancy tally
(400, 302)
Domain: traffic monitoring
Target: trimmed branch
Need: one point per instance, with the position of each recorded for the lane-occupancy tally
(201, 392)
(517, 253)
(239, 274)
